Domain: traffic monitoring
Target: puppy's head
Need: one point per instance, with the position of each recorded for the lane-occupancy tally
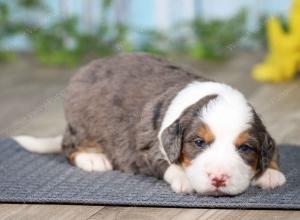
(221, 143)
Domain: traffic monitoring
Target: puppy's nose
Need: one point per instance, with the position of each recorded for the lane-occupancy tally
(219, 180)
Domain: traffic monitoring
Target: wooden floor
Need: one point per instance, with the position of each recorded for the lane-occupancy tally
(30, 97)
(74, 212)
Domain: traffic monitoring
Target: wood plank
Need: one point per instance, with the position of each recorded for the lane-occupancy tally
(191, 214)
(132, 213)
(49, 212)
(135, 213)
(6, 211)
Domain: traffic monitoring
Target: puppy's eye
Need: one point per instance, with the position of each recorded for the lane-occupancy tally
(245, 148)
(200, 142)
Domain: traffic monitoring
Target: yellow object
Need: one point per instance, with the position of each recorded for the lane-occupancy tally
(283, 60)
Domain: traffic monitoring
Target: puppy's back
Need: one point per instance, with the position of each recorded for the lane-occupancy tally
(126, 81)
(105, 99)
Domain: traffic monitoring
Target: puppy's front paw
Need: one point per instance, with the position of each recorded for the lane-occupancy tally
(178, 180)
(92, 162)
(270, 179)
(181, 185)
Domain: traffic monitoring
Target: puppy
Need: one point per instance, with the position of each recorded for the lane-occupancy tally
(141, 114)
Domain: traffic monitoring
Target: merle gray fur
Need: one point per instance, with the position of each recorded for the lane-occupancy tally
(119, 103)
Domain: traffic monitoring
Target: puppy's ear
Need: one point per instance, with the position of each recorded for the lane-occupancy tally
(268, 148)
(171, 139)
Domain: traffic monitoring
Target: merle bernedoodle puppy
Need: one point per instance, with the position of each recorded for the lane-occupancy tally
(144, 115)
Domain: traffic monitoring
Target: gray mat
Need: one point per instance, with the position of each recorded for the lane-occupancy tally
(31, 178)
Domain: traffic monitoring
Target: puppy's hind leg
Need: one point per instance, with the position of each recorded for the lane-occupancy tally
(86, 155)
(89, 161)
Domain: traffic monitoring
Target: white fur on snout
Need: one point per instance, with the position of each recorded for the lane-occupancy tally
(178, 180)
(270, 179)
(216, 163)
(92, 162)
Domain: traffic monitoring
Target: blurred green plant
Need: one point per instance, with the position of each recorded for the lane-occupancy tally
(152, 41)
(11, 27)
(32, 4)
(62, 43)
(213, 38)
(107, 40)
(6, 30)
(54, 44)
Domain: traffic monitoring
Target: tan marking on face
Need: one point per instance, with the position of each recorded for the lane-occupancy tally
(205, 133)
(184, 160)
(252, 157)
(189, 152)
(242, 138)
(255, 162)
